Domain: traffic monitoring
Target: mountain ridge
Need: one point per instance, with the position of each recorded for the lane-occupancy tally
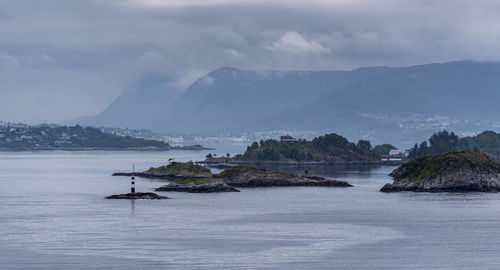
(396, 103)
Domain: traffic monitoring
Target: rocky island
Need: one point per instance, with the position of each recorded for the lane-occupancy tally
(455, 171)
(138, 195)
(242, 176)
(328, 149)
(199, 185)
(248, 177)
(173, 171)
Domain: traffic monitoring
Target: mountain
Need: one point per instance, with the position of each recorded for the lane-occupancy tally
(463, 89)
(142, 105)
(406, 102)
(398, 105)
(228, 97)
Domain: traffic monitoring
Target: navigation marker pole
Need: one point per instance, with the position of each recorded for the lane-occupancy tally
(132, 188)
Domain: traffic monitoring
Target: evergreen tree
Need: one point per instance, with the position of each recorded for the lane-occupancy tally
(364, 145)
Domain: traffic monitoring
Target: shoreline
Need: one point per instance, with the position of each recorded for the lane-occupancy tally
(145, 149)
(295, 163)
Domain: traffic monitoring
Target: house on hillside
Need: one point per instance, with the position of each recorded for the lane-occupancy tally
(287, 138)
(395, 155)
(397, 152)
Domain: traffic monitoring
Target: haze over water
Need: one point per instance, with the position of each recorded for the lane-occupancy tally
(54, 216)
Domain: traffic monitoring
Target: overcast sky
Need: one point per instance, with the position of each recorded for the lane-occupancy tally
(60, 59)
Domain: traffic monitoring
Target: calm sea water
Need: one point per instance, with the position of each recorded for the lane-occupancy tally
(53, 216)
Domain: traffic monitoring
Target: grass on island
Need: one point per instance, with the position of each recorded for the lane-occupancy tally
(181, 167)
(430, 167)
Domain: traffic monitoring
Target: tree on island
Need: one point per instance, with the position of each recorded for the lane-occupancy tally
(252, 147)
(440, 142)
(328, 146)
(364, 145)
(383, 149)
(487, 142)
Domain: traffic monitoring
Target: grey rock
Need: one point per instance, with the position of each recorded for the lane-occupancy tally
(456, 171)
(198, 186)
(138, 195)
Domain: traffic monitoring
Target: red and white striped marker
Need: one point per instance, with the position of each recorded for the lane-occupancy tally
(132, 187)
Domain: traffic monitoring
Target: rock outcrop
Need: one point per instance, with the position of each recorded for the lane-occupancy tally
(138, 195)
(190, 177)
(248, 177)
(173, 171)
(456, 171)
(240, 176)
(207, 185)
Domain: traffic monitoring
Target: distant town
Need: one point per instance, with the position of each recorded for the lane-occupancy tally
(18, 137)
(179, 139)
(55, 137)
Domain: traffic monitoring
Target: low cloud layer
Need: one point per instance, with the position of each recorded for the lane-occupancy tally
(293, 44)
(61, 59)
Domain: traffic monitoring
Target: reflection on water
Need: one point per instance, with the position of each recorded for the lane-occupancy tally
(53, 216)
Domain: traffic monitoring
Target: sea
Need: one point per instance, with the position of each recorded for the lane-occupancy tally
(53, 215)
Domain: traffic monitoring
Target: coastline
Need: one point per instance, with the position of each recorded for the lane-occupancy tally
(107, 149)
(294, 163)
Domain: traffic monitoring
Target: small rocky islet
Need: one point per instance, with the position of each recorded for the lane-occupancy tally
(455, 171)
(138, 195)
(198, 185)
(172, 171)
(249, 177)
(229, 179)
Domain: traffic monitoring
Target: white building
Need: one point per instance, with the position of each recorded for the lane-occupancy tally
(397, 152)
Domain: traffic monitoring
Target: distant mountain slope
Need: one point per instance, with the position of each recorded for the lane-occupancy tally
(463, 89)
(143, 105)
(406, 102)
(228, 97)
(396, 105)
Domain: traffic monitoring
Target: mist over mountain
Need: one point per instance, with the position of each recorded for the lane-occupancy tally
(400, 105)
(142, 105)
(226, 99)
(406, 103)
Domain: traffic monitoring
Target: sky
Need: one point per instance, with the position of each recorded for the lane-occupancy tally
(61, 59)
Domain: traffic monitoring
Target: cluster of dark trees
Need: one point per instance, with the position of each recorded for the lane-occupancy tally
(303, 150)
(487, 142)
(274, 150)
(383, 149)
(438, 143)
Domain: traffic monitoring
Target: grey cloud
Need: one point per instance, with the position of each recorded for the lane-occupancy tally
(293, 43)
(53, 51)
